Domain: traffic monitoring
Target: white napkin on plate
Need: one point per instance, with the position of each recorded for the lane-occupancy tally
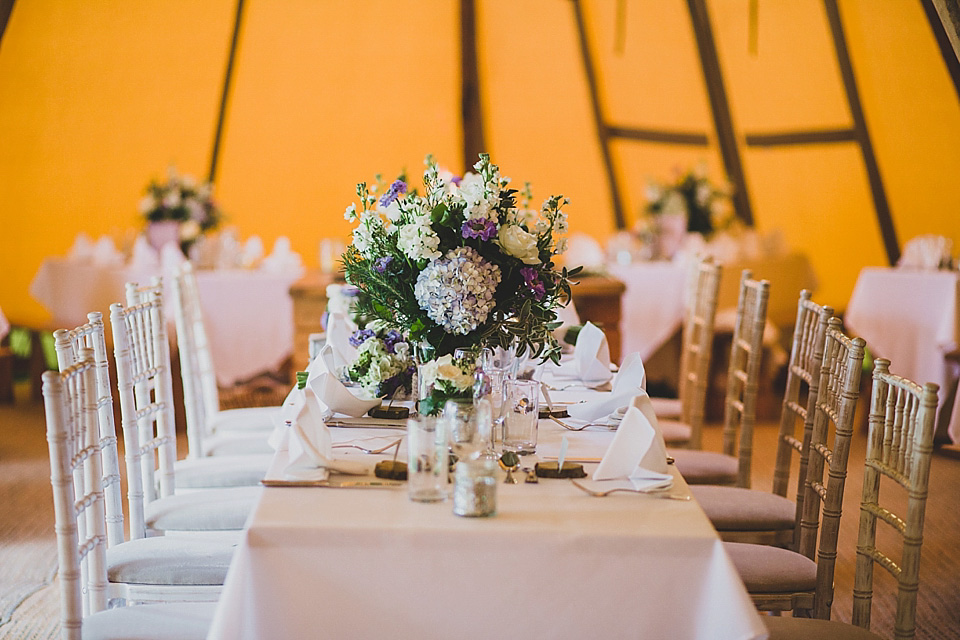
(592, 355)
(311, 446)
(82, 249)
(338, 398)
(252, 252)
(637, 450)
(171, 257)
(284, 419)
(106, 254)
(339, 330)
(282, 258)
(926, 252)
(144, 256)
(630, 379)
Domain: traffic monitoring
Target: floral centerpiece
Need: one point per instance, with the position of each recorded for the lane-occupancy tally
(691, 195)
(462, 265)
(384, 364)
(181, 204)
(446, 378)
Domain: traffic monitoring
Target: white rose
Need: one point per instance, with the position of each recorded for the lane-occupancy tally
(519, 244)
(148, 204)
(189, 230)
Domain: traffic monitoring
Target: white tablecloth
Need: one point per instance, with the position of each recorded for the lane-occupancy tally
(249, 313)
(912, 318)
(552, 563)
(652, 304)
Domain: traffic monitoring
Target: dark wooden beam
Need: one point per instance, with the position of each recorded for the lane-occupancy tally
(882, 207)
(470, 110)
(659, 135)
(598, 120)
(225, 94)
(6, 8)
(947, 52)
(722, 119)
(784, 138)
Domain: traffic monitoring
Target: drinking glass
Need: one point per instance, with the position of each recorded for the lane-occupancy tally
(426, 459)
(528, 367)
(521, 407)
(497, 358)
(460, 423)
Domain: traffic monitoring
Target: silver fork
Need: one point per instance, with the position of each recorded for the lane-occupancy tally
(366, 450)
(659, 492)
(582, 426)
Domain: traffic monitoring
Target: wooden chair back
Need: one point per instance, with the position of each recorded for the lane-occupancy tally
(73, 437)
(823, 497)
(902, 423)
(800, 398)
(743, 375)
(200, 392)
(146, 400)
(68, 345)
(698, 347)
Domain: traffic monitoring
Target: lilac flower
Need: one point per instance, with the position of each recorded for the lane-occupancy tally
(380, 264)
(398, 187)
(532, 279)
(351, 292)
(360, 336)
(482, 228)
(456, 180)
(390, 340)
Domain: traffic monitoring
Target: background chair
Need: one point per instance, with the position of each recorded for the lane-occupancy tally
(902, 421)
(76, 476)
(748, 515)
(732, 466)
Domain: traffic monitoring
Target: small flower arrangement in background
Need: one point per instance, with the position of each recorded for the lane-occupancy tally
(183, 200)
(707, 208)
(384, 364)
(446, 378)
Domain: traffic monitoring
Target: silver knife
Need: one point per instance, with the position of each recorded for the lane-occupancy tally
(336, 484)
(368, 423)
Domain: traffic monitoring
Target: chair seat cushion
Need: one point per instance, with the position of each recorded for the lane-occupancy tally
(766, 569)
(674, 431)
(667, 407)
(180, 621)
(169, 560)
(705, 467)
(737, 509)
(236, 443)
(784, 628)
(244, 420)
(213, 510)
(221, 471)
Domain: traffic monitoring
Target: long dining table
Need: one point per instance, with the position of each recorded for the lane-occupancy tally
(553, 562)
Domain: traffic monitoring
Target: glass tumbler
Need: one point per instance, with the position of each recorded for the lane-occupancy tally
(426, 459)
(521, 409)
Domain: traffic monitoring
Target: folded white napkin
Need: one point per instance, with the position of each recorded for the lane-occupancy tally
(252, 252)
(630, 379)
(338, 398)
(171, 257)
(144, 256)
(82, 249)
(310, 445)
(926, 252)
(637, 450)
(339, 330)
(592, 355)
(282, 258)
(106, 254)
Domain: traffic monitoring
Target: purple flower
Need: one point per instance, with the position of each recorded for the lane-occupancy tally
(380, 264)
(479, 228)
(532, 279)
(456, 180)
(390, 339)
(351, 292)
(398, 187)
(360, 336)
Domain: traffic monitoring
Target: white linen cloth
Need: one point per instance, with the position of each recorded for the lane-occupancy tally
(630, 379)
(310, 445)
(339, 330)
(338, 398)
(912, 318)
(143, 256)
(652, 305)
(315, 560)
(82, 249)
(592, 355)
(926, 252)
(106, 254)
(282, 258)
(637, 451)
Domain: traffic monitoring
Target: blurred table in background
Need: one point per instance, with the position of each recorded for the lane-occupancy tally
(248, 312)
(599, 300)
(912, 318)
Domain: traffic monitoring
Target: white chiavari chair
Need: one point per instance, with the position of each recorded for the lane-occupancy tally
(694, 361)
(76, 474)
(732, 466)
(781, 579)
(146, 406)
(749, 515)
(902, 421)
(210, 430)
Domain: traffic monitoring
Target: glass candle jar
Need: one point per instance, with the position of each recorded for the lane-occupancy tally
(475, 488)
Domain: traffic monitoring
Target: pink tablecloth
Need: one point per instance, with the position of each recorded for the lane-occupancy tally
(249, 313)
(912, 318)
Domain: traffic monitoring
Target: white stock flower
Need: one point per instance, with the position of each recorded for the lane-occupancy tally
(350, 214)
(518, 243)
(418, 241)
(189, 230)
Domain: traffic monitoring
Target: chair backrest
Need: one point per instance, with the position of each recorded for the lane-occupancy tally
(698, 346)
(823, 497)
(146, 400)
(73, 437)
(902, 420)
(743, 374)
(800, 398)
(200, 392)
(69, 344)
